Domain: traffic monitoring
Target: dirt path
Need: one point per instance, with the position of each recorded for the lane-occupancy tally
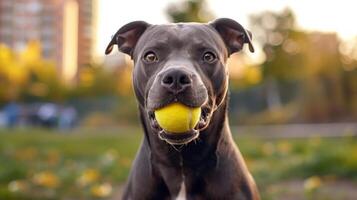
(334, 190)
(297, 130)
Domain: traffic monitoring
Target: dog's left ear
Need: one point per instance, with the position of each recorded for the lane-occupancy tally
(233, 34)
(127, 37)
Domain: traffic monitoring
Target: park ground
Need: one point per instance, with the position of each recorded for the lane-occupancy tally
(94, 164)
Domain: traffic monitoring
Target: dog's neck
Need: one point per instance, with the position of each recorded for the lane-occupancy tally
(194, 152)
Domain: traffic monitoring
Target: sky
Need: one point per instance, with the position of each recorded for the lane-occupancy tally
(330, 16)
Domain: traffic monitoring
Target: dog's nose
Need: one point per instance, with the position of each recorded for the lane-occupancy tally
(176, 80)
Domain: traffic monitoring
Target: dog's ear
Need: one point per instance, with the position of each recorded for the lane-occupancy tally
(233, 34)
(127, 37)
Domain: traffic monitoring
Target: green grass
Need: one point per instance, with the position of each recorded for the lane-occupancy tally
(24, 154)
(275, 161)
(40, 164)
(301, 158)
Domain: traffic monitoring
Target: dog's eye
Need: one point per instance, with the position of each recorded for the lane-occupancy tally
(150, 57)
(209, 57)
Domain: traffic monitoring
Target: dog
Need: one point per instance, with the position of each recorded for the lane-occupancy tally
(185, 62)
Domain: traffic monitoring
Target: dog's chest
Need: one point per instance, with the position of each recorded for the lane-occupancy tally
(182, 192)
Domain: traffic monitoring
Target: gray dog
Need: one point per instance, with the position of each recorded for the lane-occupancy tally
(185, 62)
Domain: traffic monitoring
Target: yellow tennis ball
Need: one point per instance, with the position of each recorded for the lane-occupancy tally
(177, 118)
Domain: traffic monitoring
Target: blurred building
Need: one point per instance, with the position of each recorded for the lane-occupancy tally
(65, 28)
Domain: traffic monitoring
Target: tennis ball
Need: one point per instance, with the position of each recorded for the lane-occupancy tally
(177, 118)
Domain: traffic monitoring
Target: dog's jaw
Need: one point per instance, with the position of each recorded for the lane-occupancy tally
(182, 138)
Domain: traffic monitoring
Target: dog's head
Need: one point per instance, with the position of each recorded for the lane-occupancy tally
(182, 62)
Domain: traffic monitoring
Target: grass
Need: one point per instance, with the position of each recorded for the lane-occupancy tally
(79, 162)
(90, 164)
(311, 163)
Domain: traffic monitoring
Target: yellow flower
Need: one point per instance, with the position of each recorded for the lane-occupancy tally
(284, 147)
(124, 161)
(268, 148)
(102, 190)
(312, 183)
(17, 186)
(53, 157)
(253, 75)
(87, 177)
(109, 157)
(46, 179)
(28, 153)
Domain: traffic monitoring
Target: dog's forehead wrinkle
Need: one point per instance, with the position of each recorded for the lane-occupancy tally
(183, 32)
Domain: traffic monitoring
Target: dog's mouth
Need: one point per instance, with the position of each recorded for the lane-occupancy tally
(186, 137)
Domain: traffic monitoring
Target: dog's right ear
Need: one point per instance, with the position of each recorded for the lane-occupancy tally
(127, 37)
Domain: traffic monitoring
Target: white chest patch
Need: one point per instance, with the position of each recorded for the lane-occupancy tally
(182, 193)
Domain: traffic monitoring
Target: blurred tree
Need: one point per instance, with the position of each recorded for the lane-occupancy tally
(322, 89)
(281, 43)
(26, 75)
(43, 80)
(309, 59)
(348, 51)
(190, 11)
(11, 76)
(282, 46)
(94, 80)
